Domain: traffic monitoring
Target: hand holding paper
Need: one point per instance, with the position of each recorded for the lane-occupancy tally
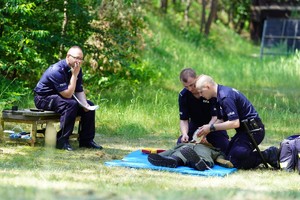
(86, 106)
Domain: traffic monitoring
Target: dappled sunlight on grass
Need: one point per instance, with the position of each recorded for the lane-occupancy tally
(58, 174)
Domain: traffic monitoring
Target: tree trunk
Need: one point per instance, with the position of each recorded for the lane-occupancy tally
(164, 5)
(203, 18)
(1, 29)
(211, 17)
(230, 14)
(186, 12)
(63, 28)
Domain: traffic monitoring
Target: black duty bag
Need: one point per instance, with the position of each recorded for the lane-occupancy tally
(289, 153)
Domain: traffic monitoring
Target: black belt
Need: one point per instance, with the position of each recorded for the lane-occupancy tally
(253, 123)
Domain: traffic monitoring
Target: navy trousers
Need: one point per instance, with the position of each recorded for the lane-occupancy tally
(241, 150)
(69, 109)
(219, 139)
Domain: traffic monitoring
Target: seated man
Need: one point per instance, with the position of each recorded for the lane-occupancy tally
(197, 156)
(55, 92)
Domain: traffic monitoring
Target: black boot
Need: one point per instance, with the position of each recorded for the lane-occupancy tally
(164, 161)
(193, 160)
(271, 155)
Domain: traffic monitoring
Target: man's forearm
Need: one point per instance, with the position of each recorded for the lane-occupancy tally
(82, 98)
(227, 125)
(213, 120)
(71, 88)
(184, 127)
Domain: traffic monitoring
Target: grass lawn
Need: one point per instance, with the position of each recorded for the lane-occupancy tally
(44, 173)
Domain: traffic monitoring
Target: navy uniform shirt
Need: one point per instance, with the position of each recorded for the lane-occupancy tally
(234, 105)
(198, 111)
(56, 79)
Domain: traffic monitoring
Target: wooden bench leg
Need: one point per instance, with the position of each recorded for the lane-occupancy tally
(2, 130)
(50, 135)
(33, 133)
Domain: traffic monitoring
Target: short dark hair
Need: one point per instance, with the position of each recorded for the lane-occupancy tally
(186, 73)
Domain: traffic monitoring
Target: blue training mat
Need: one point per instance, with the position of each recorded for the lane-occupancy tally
(139, 160)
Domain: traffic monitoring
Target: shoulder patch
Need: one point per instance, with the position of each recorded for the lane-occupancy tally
(183, 92)
(230, 113)
(235, 90)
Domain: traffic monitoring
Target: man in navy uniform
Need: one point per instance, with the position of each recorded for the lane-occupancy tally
(54, 92)
(196, 111)
(234, 108)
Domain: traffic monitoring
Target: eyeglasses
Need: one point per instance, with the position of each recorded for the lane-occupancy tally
(76, 58)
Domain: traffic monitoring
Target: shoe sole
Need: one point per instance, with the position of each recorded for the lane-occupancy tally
(90, 147)
(158, 160)
(201, 165)
(192, 156)
(274, 151)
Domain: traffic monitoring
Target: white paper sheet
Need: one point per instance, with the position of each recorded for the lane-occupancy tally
(95, 107)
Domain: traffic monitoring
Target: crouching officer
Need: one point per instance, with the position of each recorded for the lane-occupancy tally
(196, 111)
(233, 108)
(54, 92)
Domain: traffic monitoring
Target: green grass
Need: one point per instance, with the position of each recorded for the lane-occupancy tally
(146, 115)
(41, 173)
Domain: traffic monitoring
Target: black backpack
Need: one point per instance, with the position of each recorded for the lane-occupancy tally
(290, 153)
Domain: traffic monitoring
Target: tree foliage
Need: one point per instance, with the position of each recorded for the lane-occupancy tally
(31, 34)
(118, 42)
(238, 13)
(35, 34)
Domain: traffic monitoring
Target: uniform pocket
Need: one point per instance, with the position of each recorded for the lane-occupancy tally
(43, 103)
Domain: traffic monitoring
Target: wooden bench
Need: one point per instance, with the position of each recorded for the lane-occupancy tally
(30, 117)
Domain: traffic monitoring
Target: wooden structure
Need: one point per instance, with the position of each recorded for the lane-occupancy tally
(280, 37)
(29, 117)
(265, 9)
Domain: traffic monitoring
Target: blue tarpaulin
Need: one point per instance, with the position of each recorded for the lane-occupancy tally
(139, 160)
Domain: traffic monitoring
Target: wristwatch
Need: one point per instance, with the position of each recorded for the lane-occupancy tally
(212, 128)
